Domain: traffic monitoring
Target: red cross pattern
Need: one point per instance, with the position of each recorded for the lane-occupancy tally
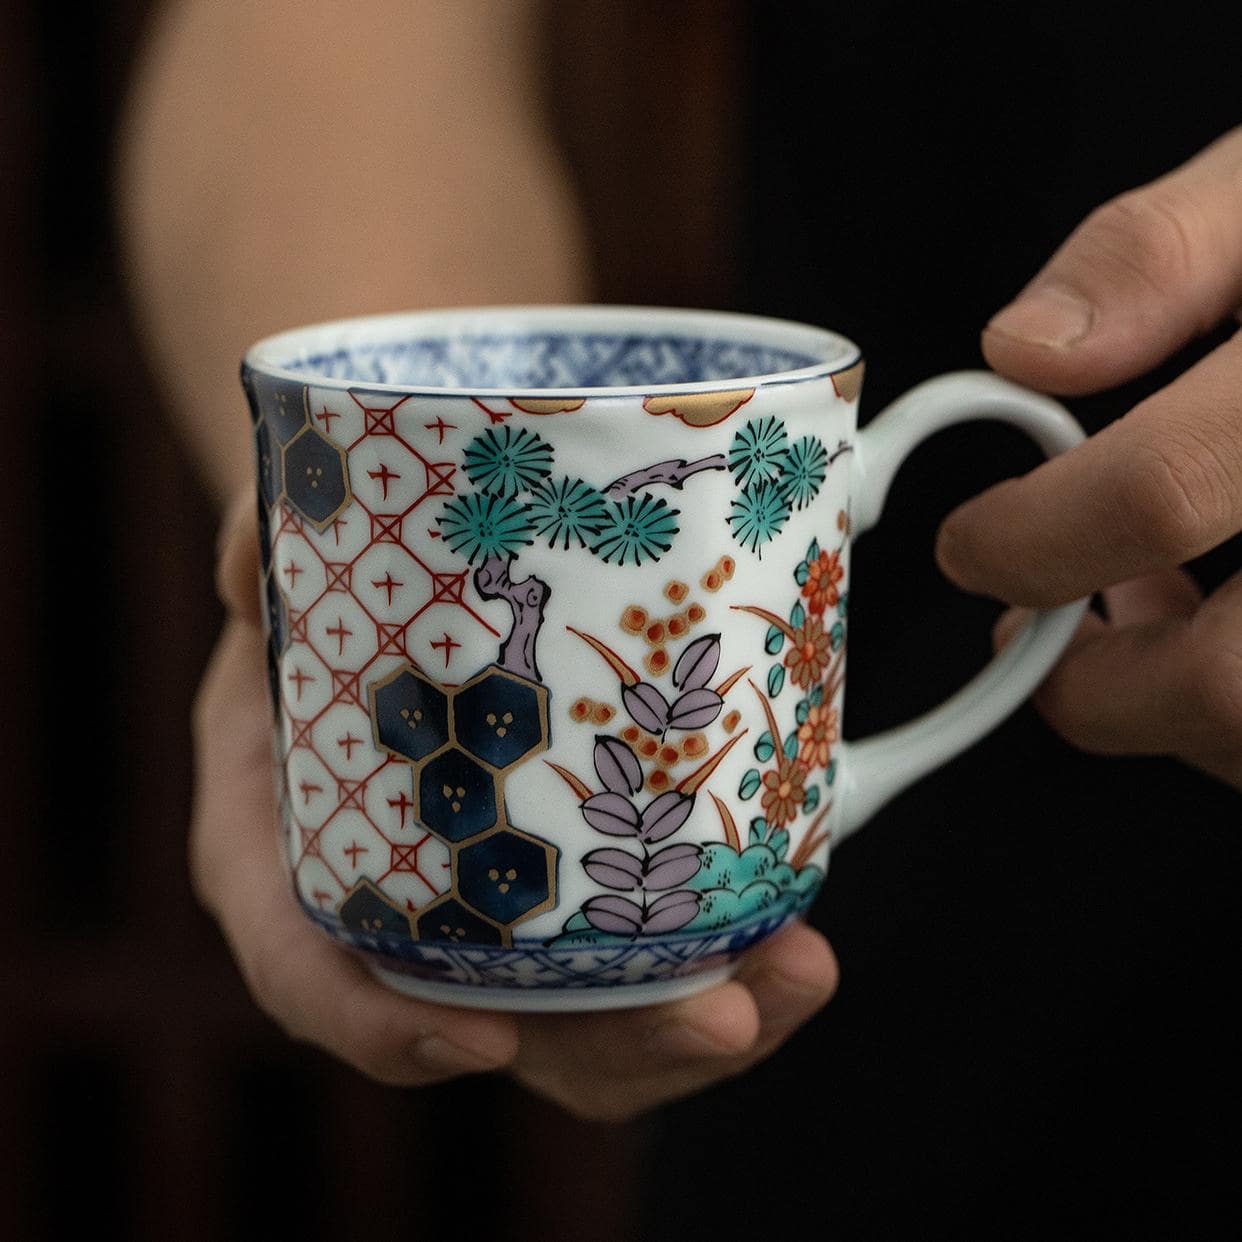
(415, 468)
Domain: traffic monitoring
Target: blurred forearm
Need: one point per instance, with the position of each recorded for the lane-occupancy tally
(297, 160)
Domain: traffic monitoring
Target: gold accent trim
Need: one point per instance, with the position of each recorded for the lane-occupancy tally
(699, 409)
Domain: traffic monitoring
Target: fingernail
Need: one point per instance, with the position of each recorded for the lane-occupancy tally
(1050, 315)
(1008, 625)
(435, 1054)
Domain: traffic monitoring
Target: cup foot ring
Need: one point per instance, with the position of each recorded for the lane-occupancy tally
(552, 1000)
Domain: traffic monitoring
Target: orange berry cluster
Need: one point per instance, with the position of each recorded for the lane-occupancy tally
(584, 710)
(657, 631)
(719, 574)
(665, 754)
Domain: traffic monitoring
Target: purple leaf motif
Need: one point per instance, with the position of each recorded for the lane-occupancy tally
(617, 766)
(668, 913)
(647, 707)
(673, 865)
(615, 914)
(696, 709)
(697, 663)
(662, 816)
(612, 815)
(615, 869)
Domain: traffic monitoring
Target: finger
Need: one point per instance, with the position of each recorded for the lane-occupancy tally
(1154, 489)
(311, 987)
(616, 1065)
(1168, 685)
(792, 977)
(1168, 594)
(237, 559)
(1135, 281)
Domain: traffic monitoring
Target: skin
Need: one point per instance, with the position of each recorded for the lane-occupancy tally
(1142, 276)
(218, 257)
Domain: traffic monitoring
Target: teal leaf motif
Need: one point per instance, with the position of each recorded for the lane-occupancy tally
(791, 746)
(803, 710)
(797, 614)
(837, 633)
(812, 552)
(778, 843)
(776, 680)
(811, 801)
(507, 460)
(749, 785)
(757, 515)
(775, 639)
(816, 697)
(566, 510)
(477, 525)
(758, 831)
(802, 573)
(759, 451)
(806, 467)
(635, 530)
(765, 747)
(830, 773)
(843, 604)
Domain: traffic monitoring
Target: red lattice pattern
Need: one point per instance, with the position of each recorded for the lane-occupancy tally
(353, 592)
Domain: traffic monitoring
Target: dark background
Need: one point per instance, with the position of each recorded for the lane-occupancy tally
(1039, 949)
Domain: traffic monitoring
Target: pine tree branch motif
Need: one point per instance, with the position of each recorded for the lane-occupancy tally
(517, 499)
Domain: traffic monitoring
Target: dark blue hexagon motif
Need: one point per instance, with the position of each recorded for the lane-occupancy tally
(281, 403)
(448, 920)
(456, 797)
(506, 874)
(277, 615)
(410, 714)
(368, 912)
(265, 537)
(315, 480)
(501, 717)
(273, 679)
(268, 465)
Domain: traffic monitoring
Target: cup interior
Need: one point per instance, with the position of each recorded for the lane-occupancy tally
(513, 349)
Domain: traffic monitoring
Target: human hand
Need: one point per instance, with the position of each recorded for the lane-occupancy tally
(608, 1066)
(1139, 278)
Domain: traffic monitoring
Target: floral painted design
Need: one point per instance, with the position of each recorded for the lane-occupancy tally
(809, 652)
(816, 736)
(798, 769)
(820, 588)
(648, 893)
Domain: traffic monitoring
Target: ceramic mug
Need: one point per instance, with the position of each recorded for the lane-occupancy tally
(557, 605)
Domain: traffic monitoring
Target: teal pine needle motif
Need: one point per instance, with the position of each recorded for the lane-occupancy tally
(759, 451)
(479, 525)
(566, 510)
(636, 529)
(505, 461)
(757, 515)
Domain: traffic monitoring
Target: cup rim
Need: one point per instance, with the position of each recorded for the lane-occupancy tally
(273, 355)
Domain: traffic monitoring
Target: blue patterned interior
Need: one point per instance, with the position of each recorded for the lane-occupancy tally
(550, 360)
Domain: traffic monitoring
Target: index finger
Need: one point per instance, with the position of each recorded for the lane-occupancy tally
(1154, 489)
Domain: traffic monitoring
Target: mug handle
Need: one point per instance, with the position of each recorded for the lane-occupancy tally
(875, 769)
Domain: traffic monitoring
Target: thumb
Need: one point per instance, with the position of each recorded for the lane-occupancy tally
(1135, 281)
(237, 559)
